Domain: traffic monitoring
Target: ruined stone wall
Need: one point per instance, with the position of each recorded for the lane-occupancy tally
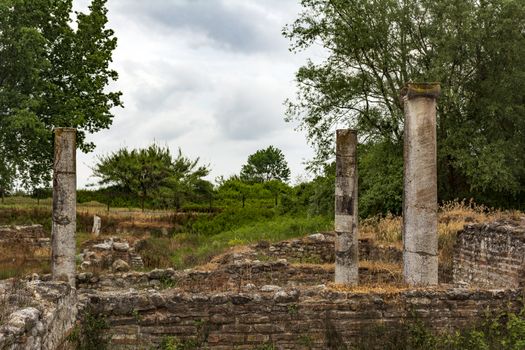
(42, 322)
(319, 248)
(245, 275)
(490, 255)
(33, 236)
(313, 318)
(112, 253)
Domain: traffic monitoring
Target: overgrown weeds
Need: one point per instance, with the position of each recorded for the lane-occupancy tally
(198, 249)
(503, 331)
(90, 332)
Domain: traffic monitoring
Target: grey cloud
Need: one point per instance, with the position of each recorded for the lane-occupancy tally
(249, 114)
(230, 26)
(177, 83)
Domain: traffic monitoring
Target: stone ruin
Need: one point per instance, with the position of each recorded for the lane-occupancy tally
(283, 293)
(29, 236)
(113, 253)
(491, 255)
(269, 294)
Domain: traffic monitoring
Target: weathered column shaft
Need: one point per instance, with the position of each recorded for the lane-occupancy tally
(64, 206)
(346, 244)
(420, 239)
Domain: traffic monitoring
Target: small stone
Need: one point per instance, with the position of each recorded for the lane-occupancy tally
(84, 276)
(250, 286)
(120, 265)
(121, 246)
(85, 265)
(286, 297)
(270, 288)
(25, 318)
(240, 299)
(104, 246)
(158, 274)
(317, 237)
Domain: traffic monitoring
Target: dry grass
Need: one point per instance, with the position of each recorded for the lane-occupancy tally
(372, 288)
(381, 266)
(326, 267)
(382, 229)
(452, 217)
(20, 259)
(386, 289)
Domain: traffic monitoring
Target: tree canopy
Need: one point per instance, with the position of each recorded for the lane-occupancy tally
(266, 165)
(52, 74)
(152, 173)
(476, 49)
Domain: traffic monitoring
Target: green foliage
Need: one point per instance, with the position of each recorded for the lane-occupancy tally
(111, 196)
(174, 343)
(186, 182)
(194, 249)
(306, 341)
(266, 165)
(505, 331)
(380, 178)
(152, 173)
(52, 73)
(89, 332)
(476, 49)
(315, 197)
(232, 218)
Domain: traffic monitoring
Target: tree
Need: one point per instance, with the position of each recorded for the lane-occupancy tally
(51, 74)
(266, 165)
(152, 173)
(476, 49)
(186, 180)
(139, 171)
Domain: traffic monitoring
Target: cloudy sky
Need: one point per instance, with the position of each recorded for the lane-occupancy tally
(209, 76)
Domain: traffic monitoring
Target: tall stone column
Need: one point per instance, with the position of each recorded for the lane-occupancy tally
(420, 239)
(346, 244)
(64, 206)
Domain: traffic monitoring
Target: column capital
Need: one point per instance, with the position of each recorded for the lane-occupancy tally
(415, 90)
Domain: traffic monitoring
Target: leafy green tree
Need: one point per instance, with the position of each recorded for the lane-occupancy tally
(276, 188)
(52, 73)
(380, 178)
(186, 181)
(153, 174)
(476, 49)
(235, 188)
(266, 165)
(139, 171)
(6, 180)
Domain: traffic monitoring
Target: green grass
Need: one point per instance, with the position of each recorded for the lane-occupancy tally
(198, 248)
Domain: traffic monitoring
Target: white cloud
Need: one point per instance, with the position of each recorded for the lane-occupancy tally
(209, 76)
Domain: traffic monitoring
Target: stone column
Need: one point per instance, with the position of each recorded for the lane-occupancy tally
(97, 223)
(346, 246)
(64, 206)
(420, 239)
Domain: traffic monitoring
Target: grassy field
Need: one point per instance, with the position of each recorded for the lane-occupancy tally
(182, 240)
